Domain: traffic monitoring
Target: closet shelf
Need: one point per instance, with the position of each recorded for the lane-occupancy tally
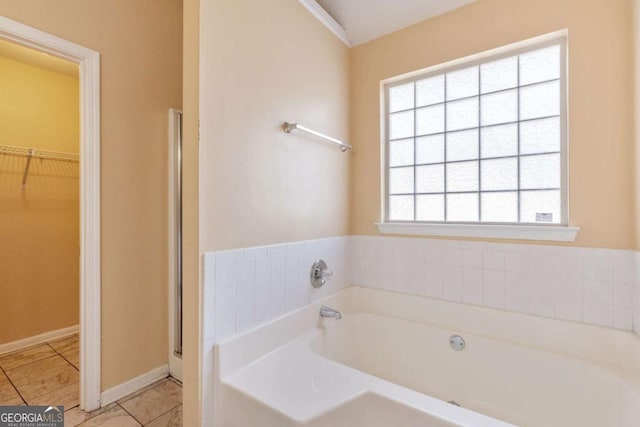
(39, 154)
(32, 153)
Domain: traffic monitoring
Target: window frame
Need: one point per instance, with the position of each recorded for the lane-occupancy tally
(557, 38)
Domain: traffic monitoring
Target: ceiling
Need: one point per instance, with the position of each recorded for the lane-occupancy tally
(365, 20)
(38, 59)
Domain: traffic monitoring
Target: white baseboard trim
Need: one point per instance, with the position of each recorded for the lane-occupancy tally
(126, 388)
(38, 339)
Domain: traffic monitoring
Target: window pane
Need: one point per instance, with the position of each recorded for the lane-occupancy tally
(430, 120)
(540, 202)
(540, 101)
(430, 149)
(401, 125)
(540, 65)
(401, 152)
(499, 75)
(401, 97)
(501, 107)
(430, 208)
(499, 207)
(462, 114)
(462, 83)
(499, 174)
(462, 145)
(540, 136)
(430, 91)
(498, 141)
(482, 143)
(462, 207)
(462, 176)
(401, 208)
(401, 180)
(540, 171)
(430, 179)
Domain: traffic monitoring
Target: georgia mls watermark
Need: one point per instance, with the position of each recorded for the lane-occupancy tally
(31, 416)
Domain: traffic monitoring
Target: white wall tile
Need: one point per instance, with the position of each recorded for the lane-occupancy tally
(225, 301)
(245, 294)
(472, 285)
(568, 310)
(472, 258)
(247, 287)
(452, 256)
(515, 261)
(246, 269)
(262, 312)
(225, 326)
(623, 295)
(279, 263)
(623, 318)
(494, 260)
(244, 319)
(541, 305)
(598, 314)
(494, 290)
(263, 267)
(598, 292)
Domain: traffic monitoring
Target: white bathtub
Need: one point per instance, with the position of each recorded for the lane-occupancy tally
(388, 363)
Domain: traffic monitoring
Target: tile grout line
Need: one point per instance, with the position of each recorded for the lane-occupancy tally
(14, 387)
(62, 355)
(129, 413)
(161, 415)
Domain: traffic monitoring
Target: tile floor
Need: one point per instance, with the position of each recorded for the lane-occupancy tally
(47, 374)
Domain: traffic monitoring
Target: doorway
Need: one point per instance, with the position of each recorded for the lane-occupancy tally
(87, 62)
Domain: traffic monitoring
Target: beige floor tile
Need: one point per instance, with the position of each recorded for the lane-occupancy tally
(172, 418)
(73, 356)
(43, 376)
(153, 402)
(68, 396)
(20, 358)
(75, 416)
(9, 396)
(66, 344)
(113, 416)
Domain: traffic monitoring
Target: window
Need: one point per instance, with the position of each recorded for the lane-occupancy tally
(480, 142)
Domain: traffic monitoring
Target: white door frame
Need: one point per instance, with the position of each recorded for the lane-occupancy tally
(90, 271)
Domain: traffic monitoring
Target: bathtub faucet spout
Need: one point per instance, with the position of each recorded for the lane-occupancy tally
(330, 312)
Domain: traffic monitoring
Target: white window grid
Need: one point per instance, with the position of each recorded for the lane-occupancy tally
(514, 51)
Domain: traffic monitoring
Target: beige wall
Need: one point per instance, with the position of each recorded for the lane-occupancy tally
(38, 108)
(141, 61)
(39, 223)
(263, 63)
(601, 161)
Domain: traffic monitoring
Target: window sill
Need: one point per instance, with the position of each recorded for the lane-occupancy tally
(553, 233)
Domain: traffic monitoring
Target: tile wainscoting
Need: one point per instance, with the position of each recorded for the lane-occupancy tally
(245, 288)
(588, 285)
(248, 287)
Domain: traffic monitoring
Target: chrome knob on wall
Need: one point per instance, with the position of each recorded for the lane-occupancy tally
(320, 274)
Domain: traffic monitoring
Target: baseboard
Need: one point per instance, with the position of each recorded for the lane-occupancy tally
(38, 339)
(126, 388)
